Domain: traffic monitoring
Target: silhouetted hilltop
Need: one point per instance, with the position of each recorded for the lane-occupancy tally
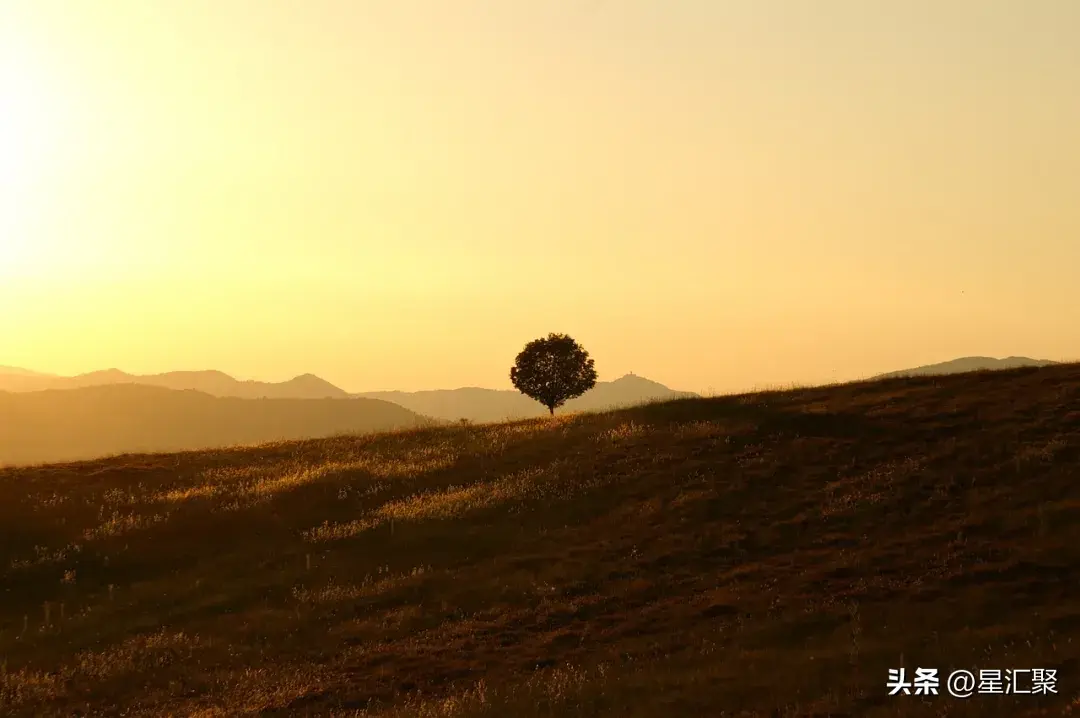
(88, 422)
(627, 390)
(964, 364)
(96, 378)
(311, 385)
(214, 383)
(477, 404)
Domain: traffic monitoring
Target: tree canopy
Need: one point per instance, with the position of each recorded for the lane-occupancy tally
(553, 370)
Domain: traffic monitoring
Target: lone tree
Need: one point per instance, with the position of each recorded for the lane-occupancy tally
(553, 370)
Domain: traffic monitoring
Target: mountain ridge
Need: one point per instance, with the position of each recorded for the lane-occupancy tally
(966, 364)
(471, 403)
(210, 381)
(85, 423)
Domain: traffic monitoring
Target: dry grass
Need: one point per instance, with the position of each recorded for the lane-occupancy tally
(768, 554)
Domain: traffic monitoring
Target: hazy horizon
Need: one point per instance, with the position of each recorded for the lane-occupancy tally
(279, 380)
(383, 390)
(399, 195)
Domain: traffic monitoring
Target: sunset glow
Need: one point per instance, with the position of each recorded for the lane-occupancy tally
(714, 194)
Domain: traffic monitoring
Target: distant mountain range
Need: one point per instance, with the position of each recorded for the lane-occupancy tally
(473, 404)
(94, 421)
(214, 383)
(48, 418)
(964, 364)
(477, 404)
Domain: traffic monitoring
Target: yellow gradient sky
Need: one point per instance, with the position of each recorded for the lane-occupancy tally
(715, 194)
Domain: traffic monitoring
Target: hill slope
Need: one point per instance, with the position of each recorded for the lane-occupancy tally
(481, 405)
(966, 364)
(773, 553)
(215, 383)
(123, 418)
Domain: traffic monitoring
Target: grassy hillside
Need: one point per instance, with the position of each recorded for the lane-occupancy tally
(770, 554)
(91, 422)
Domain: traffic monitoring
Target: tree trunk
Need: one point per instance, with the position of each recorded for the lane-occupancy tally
(552, 410)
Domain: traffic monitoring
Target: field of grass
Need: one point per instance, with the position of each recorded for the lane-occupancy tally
(771, 554)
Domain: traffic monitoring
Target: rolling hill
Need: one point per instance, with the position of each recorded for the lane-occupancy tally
(481, 405)
(66, 425)
(770, 554)
(966, 364)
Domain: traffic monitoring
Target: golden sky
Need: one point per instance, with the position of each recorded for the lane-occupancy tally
(715, 194)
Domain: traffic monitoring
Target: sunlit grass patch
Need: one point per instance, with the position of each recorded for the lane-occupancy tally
(340, 531)
(390, 456)
(246, 486)
(174, 496)
(512, 490)
(492, 438)
(120, 497)
(698, 430)
(44, 555)
(53, 500)
(371, 585)
(530, 427)
(691, 496)
(551, 691)
(119, 524)
(143, 653)
(528, 484)
(623, 432)
(253, 690)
